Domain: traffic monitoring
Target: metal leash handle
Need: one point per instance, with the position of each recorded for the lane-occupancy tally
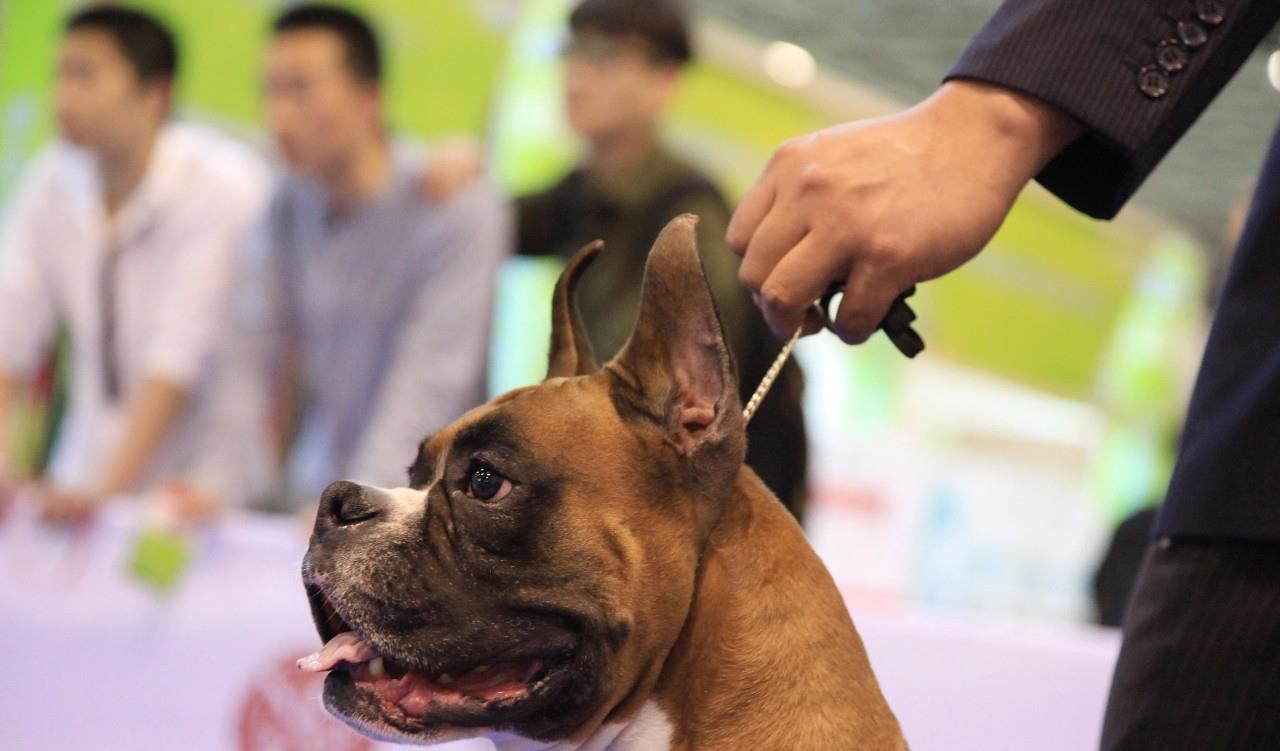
(896, 325)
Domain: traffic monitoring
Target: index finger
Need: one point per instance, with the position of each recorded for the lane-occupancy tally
(751, 211)
(800, 278)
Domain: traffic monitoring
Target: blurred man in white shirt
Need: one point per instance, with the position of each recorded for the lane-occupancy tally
(125, 234)
(365, 315)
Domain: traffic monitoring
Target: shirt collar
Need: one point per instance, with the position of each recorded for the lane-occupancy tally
(161, 181)
(84, 186)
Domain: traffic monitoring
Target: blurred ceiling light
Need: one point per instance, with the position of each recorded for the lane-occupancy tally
(1273, 70)
(789, 64)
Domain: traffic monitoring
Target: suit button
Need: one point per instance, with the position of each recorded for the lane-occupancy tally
(1171, 55)
(1211, 11)
(1192, 34)
(1153, 81)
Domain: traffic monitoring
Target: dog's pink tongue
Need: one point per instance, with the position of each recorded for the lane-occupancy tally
(346, 646)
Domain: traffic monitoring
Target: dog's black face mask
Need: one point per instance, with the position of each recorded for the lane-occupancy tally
(541, 560)
(455, 584)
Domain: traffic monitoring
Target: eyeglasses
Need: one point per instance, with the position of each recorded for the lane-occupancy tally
(602, 50)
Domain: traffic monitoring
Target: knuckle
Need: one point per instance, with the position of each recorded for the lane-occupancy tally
(778, 298)
(816, 179)
(853, 328)
(789, 149)
(885, 249)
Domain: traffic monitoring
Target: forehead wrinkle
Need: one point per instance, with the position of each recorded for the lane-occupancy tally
(492, 428)
(491, 424)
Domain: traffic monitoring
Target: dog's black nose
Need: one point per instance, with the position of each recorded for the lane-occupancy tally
(347, 503)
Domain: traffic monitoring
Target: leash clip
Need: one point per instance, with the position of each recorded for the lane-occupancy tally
(896, 323)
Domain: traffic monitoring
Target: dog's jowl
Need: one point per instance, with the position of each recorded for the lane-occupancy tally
(587, 563)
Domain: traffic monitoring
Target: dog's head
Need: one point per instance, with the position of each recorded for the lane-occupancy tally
(540, 563)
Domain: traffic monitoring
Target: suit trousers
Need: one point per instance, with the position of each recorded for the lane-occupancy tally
(1199, 667)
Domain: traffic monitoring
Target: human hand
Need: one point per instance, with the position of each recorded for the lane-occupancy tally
(885, 203)
(8, 495)
(454, 166)
(305, 517)
(11, 484)
(187, 504)
(65, 507)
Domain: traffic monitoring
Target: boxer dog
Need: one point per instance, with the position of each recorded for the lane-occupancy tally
(587, 564)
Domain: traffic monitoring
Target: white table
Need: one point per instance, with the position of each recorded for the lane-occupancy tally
(94, 660)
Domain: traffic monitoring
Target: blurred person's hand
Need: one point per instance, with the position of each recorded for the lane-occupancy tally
(10, 478)
(882, 204)
(177, 502)
(454, 165)
(187, 504)
(305, 516)
(10, 481)
(8, 495)
(65, 507)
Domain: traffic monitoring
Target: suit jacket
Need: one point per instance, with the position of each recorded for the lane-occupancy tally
(1137, 73)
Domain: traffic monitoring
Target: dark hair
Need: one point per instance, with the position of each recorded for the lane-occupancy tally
(145, 42)
(661, 23)
(364, 57)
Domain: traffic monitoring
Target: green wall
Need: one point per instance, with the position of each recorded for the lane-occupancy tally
(1040, 306)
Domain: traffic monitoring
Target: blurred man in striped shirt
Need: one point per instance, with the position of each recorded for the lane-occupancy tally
(365, 312)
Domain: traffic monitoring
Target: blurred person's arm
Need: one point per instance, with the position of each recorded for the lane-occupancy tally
(250, 403)
(9, 476)
(9, 471)
(284, 403)
(543, 218)
(191, 315)
(153, 411)
(268, 334)
(1065, 92)
(28, 315)
(453, 165)
(441, 356)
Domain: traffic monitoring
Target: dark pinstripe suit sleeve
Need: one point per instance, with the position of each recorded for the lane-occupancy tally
(1084, 56)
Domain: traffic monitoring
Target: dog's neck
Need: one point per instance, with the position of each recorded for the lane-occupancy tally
(769, 657)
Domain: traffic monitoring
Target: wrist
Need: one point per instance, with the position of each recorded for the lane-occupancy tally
(1026, 132)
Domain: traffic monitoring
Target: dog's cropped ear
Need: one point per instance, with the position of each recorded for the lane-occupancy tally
(676, 365)
(570, 348)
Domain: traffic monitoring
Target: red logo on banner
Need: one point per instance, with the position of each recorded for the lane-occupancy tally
(282, 712)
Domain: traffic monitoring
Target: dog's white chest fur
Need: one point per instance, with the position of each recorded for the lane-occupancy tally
(649, 730)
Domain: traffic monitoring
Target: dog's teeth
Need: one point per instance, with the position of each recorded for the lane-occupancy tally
(445, 679)
(482, 669)
(377, 667)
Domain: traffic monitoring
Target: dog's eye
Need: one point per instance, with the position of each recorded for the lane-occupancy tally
(485, 484)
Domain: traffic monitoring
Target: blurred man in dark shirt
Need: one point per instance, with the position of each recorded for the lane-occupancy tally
(623, 62)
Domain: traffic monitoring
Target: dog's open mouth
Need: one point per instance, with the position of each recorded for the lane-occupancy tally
(460, 694)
